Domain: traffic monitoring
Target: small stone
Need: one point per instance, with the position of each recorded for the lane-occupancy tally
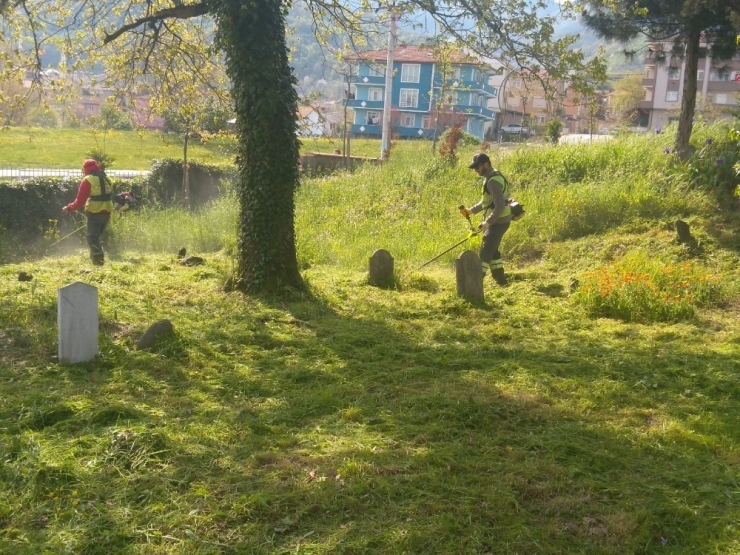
(155, 332)
(193, 261)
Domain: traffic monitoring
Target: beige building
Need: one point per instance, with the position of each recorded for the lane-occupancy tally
(718, 83)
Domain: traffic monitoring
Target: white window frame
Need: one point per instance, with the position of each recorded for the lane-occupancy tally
(410, 73)
(539, 102)
(671, 96)
(426, 122)
(494, 92)
(724, 76)
(700, 75)
(376, 118)
(541, 119)
(408, 120)
(516, 83)
(405, 102)
(378, 90)
(376, 71)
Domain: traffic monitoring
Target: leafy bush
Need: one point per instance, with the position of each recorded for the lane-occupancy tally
(553, 130)
(462, 138)
(207, 181)
(711, 168)
(641, 289)
(450, 141)
(103, 159)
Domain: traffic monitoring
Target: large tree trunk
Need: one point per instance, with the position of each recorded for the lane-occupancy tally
(252, 35)
(688, 100)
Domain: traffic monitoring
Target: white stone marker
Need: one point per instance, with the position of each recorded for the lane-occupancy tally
(77, 322)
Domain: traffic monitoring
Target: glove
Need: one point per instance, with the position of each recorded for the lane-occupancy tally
(465, 212)
(65, 210)
(483, 226)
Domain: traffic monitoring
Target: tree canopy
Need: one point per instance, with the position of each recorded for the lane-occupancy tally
(677, 28)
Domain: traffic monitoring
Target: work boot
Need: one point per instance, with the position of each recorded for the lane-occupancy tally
(98, 260)
(498, 276)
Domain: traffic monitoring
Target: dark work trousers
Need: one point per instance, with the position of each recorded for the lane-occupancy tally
(96, 224)
(489, 253)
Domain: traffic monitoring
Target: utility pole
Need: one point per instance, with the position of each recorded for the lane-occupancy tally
(384, 143)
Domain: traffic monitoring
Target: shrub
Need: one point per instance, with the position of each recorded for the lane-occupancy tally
(711, 168)
(641, 289)
(553, 130)
(103, 159)
(450, 142)
(207, 181)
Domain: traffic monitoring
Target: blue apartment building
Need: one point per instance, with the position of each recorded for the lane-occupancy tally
(416, 88)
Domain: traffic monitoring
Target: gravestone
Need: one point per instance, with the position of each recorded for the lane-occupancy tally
(77, 322)
(156, 331)
(684, 232)
(469, 274)
(381, 269)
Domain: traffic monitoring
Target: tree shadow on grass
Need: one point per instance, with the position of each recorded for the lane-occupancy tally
(297, 425)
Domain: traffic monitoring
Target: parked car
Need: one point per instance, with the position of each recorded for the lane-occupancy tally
(516, 129)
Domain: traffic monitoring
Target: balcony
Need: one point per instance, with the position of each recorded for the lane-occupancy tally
(646, 104)
(476, 111)
(359, 130)
(366, 104)
(367, 80)
(723, 86)
(479, 86)
(465, 86)
(648, 82)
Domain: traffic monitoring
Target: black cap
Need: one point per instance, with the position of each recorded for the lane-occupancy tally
(478, 159)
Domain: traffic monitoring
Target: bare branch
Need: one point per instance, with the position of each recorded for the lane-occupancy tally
(178, 12)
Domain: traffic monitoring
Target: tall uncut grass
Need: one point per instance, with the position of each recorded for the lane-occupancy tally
(168, 230)
(409, 205)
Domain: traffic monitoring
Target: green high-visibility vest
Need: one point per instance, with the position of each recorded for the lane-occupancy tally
(487, 198)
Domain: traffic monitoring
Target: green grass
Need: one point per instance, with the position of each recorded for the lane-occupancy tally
(66, 148)
(356, 420)
(26, 147)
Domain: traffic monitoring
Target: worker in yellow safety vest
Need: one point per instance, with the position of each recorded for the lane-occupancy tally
(96, 196)
(494, 204)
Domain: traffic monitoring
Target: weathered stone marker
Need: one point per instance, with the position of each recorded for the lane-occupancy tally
(77, 322)
(156, 331)
(469, 274)
(381, 269)
(684, 232)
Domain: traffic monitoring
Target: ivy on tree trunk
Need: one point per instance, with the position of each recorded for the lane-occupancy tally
(252, 37)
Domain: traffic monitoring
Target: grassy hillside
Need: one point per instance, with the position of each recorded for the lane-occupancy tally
(590, 407)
